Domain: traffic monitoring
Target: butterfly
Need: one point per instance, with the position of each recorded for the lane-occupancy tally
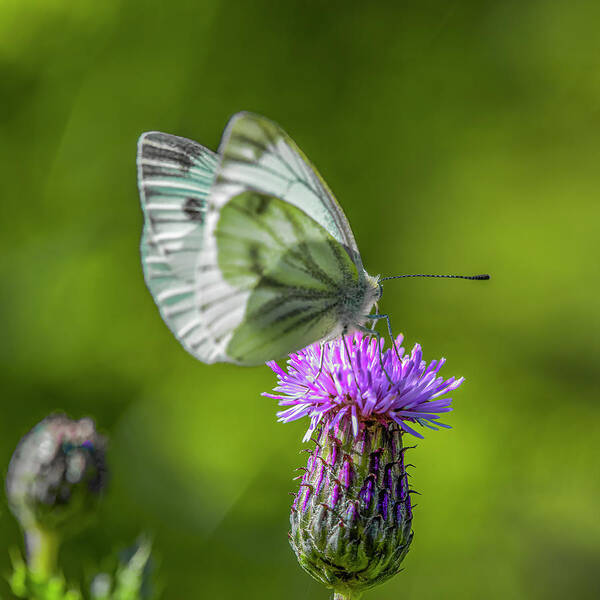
(246, 251)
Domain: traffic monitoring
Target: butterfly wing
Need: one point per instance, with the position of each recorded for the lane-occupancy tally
(257, 155)
(174, 178)
(297, 278)
(258, 160)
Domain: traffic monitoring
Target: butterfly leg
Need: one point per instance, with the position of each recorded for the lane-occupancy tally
(374, 333)
(321, 360)
(377, 317)
(344, 332)
(374, 321)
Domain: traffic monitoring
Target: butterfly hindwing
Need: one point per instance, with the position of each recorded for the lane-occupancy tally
(296, 274)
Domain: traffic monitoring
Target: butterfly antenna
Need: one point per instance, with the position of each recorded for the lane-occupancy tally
(474, 277)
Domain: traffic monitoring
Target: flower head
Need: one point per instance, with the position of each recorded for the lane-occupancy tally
(354, 380)
(56, 473)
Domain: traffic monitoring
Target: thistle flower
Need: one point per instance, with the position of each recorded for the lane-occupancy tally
(361, 387)
(351, 517)
(53, 483)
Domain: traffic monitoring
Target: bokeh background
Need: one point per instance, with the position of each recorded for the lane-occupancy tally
(460, 137)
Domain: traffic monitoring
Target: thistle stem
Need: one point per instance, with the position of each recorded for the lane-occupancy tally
(42, 551)
(346, 596)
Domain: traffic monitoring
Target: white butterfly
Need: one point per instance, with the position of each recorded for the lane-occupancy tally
(246, 252)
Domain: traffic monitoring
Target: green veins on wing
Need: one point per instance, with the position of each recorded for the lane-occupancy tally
(303, 283)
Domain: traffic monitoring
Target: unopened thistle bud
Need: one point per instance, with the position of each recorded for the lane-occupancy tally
(351, 517)
(54, 481)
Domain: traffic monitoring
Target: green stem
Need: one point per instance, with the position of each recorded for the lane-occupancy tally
(42, 551)
(346, 595)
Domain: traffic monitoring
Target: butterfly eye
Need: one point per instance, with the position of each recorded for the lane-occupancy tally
(379, 291)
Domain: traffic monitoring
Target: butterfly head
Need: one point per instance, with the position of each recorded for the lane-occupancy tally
(375, 287)
(373, 293)
(379, 291)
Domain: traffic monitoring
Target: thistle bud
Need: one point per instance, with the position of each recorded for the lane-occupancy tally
(351, 518)
(56, 474)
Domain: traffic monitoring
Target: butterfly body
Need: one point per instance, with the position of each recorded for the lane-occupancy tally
(246, 252)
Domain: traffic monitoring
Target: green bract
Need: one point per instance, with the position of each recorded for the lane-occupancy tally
(351, 518)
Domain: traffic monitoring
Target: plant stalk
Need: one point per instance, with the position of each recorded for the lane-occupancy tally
(42, 551)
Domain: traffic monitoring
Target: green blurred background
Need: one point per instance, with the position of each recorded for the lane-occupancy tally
(460, 137)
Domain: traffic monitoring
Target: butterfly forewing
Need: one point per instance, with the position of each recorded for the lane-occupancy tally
(257, 155)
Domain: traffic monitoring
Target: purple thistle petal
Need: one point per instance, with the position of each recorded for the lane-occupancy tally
(352, 387)
(406, 428)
